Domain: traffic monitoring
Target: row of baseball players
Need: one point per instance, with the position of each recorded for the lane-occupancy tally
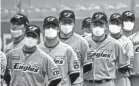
(67, 59)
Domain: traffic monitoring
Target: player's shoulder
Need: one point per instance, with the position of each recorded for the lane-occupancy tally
(136, 34)
(112, 40)
(9, 46)
(40, 45)
(15, 50)
(2, 55)
(64, 46)
(78, 37)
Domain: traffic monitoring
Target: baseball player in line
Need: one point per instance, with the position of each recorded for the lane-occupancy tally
(128, 22)
(135, 77)
(18, 24)
(68, 36)
(104, 56)
(115, 28)
(29, 65)
(62, 54)
(86, 26)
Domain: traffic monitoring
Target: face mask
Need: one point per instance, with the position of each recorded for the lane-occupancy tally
(128, 26)
(66, 28)
(30, 42)
(16, 33)
(114, 29)
(98, 31)
(51, 33)
(86, 34)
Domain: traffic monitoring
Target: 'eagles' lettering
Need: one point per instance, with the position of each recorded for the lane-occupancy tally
(25, 68)
(97, 55)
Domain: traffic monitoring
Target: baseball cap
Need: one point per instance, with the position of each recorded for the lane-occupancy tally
(33, 29)
(50, 20)
(128, 14)
(116, 16)
(86, 22)
(99, 16)
(20, 18)
(67, 15)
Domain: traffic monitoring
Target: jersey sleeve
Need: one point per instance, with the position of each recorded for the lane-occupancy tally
(130, 52)
(84, 48)
(122, 57)
(74, 64)
(3, 63)
(51, 69)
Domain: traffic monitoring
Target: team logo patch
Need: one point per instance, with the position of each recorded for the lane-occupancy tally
(25, 68)
(59, 60)
(15, 57)
(55, 71)
(136, 43)
(76, 64)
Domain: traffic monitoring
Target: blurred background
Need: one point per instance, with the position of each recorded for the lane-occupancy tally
(37, 10)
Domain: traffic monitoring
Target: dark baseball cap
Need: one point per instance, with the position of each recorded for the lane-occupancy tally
(20, 19)
(116, 17)
(99, 16)
(128, 14)
(86, 22)
(50, 20)
(33, 29)
(66, 15)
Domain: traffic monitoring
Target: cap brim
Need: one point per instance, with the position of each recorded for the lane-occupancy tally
(116, 20)
(32, 32)
(99, 21)
(67, 20)
(16, 20)
(50, 23)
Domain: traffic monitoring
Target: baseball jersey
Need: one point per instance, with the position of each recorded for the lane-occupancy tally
(13, 46)
(65, 57)
(3, 63)
(104, 59)
(135, 40)
(31, 70)
(80, 46)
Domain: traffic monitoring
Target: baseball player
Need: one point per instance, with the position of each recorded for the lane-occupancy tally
(29, 65)
(129, 22)
(86, 26)
(62, 54)
(104, 56)
(68, 36)
(2, 66)
(18, 24)
(135, 77)
(115, 28)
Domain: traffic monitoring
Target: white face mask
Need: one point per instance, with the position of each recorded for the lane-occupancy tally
(66, 28)
(98, 31)
(114, 29)
(30, 42)
(128, 26)
(51, 33)
(16, 33)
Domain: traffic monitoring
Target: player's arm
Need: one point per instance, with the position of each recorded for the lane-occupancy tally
(84, 48)
(52, 71)
(3, 64)
(7, 75)
(74, 65)
(123, 59)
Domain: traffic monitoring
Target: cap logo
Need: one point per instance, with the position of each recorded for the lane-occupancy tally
(67, 14)
(33, 28)
(51, 19)
(128, 13)
(99, 16)
(88, 20)
(18, 16)
(116, 16)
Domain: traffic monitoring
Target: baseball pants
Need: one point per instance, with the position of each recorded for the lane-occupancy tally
(134, 80)
(109, 83)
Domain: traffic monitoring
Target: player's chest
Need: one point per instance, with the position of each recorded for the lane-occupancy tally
(22, 63)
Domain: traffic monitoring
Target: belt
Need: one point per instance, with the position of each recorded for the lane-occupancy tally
(97, 81)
